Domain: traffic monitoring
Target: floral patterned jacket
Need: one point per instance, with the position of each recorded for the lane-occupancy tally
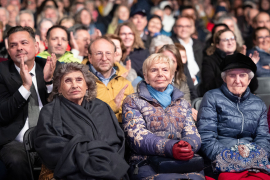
(152, 130)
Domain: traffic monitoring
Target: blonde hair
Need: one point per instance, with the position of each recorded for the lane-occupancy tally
(157, 58)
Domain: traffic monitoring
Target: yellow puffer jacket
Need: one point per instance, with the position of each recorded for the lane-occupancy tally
(109, 92)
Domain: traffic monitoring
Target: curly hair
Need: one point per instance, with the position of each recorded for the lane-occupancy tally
(67, 68)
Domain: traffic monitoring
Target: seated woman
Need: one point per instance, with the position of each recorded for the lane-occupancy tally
(230, 118)
(157, 121)
(224, 44)
(77, 135)
(261, 39)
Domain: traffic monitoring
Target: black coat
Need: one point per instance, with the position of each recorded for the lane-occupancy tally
(211, 74)
(137, 58)
(13, 107)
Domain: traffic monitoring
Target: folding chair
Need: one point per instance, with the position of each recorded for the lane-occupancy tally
(29, 148)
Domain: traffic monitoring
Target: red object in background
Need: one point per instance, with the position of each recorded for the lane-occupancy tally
(210, 26)
(208, 178)
(3, 59)
(246, 175)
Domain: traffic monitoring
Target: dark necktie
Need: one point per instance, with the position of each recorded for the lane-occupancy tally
(33, 106)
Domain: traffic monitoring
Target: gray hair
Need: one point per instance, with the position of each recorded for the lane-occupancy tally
(160, 40)
(24, 12)
(6, 11)
(239, 38)
(67, 68)
(248, 71)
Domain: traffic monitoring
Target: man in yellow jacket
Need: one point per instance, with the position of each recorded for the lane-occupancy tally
(112, 88)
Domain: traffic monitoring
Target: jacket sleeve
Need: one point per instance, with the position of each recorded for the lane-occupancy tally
(139, 138)
(207, 126)
(262, 136)
(190, 133)
(209, 78)
(10, 104)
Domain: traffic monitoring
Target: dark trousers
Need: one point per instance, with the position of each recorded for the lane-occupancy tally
(14, 157)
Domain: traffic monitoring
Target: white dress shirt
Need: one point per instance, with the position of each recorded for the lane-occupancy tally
(25, 94)
(192, 64)
(76, 53)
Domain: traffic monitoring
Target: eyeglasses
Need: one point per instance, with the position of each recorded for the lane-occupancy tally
(99, 55)
(180, 26)
(126, 34)
(232, 39)
(261, 38)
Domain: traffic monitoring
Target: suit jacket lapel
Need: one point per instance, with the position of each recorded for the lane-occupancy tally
(15, 76)
(42, 89)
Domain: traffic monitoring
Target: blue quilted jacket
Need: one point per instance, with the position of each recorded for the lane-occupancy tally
(152, 130)
(224, 120)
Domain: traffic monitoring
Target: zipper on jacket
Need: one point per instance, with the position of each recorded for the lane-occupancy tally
(241, 114)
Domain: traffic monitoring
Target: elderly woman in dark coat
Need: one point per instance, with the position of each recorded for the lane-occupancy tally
(232, 120)
(78, 136)
(157, 121)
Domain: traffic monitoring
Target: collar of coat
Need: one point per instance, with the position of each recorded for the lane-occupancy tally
(233, 97)
(144, 93)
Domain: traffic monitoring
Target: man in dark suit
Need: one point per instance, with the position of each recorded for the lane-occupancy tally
(194, 47)
(25, 82)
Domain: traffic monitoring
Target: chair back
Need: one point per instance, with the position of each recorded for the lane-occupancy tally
(196, 103)
(29, 148)
(264, 85)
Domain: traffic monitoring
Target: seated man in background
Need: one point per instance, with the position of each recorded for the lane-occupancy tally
(261, 39)
(25, 83)
(79, 41)
(57, 41)
(25, 18)
(111, 87)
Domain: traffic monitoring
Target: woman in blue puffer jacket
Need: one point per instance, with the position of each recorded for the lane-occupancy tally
(231, 116)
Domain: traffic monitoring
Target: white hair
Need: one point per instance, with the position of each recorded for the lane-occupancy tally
(160, 40)
(6, 11)
(248, 71)
(24, 12)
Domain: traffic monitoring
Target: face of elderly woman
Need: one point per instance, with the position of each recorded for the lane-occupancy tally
(73, 87)
(237, 81)
(227, 42)
(159, 76)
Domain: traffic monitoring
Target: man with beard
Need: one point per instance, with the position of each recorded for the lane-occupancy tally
(57, 41)
(25, 84)
(79, 41)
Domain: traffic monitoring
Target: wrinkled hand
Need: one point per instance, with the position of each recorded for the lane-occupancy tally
(96, 34)
(243, 50)
(49, 68)
(41, 46)
(194, 114)
(128, 68)
(182, 151)
(119, 97)
(73, 43)
(255, 57)
(25, 75)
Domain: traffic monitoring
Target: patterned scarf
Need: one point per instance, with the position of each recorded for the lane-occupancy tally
(164, 98)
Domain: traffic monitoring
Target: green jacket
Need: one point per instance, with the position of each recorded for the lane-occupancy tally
(66, 58)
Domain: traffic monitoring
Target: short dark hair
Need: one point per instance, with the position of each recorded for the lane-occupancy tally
(19, 29)
(98, 38)
(254, 34)
(54, 27)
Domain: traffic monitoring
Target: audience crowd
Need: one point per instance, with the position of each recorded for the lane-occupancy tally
(105, 89)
